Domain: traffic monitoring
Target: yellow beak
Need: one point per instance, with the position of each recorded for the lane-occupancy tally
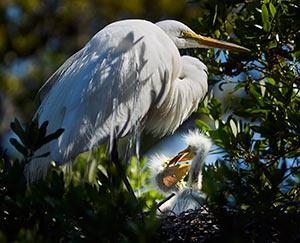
(176, 172)
(184, 155)
(210, 42)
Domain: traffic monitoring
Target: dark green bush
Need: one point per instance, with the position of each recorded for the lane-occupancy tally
(60, 210)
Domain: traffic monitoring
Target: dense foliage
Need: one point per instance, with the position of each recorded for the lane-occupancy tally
(255, 185)
(85, 206)
(252, 114)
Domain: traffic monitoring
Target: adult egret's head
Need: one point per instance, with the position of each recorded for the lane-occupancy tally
(184, 37)
(127, 78)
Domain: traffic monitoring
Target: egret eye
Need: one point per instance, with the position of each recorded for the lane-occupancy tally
(99, 111)
(183, 34)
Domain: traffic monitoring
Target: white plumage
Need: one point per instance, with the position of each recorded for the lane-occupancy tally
(188, 194)
(128, 77)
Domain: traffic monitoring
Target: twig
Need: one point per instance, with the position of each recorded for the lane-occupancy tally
(114, 157)
(165, 200)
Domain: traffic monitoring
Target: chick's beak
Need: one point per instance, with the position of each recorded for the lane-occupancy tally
(176, 172)
(182, 156)
(213, 43)
(186, 155)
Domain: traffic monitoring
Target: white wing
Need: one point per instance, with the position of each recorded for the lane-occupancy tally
(124, 70)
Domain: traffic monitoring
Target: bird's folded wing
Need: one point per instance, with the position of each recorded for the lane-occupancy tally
(107, 87)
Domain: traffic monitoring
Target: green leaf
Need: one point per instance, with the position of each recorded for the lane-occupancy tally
(33, 134)
(19, 131)
(239, 86)
(257, 95)
(203, 110)
(1, 166)
(272, 9)
(294, 118)
(216, 108)
(272, 44)
(43, 129)
(51, 137)
(271, 80)
(265, 18)
(18, 146)
(202, 125)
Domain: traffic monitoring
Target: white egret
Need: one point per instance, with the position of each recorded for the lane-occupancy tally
(169, 176)
(128, 77)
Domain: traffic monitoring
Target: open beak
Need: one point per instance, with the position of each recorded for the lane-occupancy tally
(213, 43)
(182, 156)
(176, 172)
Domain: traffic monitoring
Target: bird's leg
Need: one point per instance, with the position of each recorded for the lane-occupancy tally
(114, 157)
